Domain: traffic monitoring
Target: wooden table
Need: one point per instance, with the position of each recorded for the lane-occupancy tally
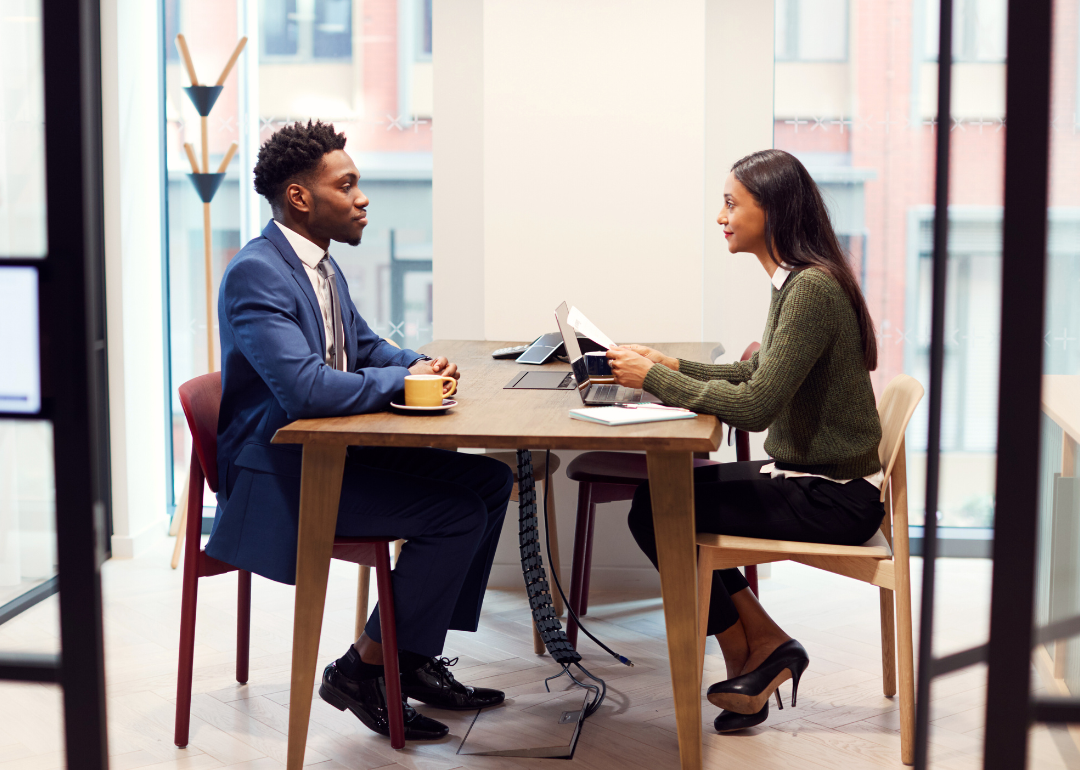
(489, 417)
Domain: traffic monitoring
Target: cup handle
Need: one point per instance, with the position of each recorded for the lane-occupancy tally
(453, 386)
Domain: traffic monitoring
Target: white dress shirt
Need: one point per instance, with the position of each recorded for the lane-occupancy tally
(877, 479)
(311, 254)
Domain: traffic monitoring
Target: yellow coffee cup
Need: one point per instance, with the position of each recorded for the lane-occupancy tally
(427, 389)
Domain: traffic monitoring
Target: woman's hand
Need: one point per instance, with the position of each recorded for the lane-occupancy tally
(629, 366)
(654, 355)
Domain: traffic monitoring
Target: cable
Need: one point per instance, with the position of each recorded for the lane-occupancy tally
(532, 567)
(547, 541)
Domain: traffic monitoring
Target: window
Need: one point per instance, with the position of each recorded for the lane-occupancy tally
(811, 30)
(306, 30)
(978, 30)
(389, 137)
(867, 137)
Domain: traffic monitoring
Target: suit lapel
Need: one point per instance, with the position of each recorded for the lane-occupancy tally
(273, 234)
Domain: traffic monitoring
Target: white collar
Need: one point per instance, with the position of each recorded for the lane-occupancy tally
(309, 253)
(779, 277)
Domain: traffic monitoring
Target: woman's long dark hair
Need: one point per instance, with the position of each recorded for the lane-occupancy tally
(798, 232)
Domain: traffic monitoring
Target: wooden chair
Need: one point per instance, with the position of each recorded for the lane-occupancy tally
(883, 561)
(201, 400)
(608, 477)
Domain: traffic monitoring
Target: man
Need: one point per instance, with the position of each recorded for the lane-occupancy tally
(293, 346)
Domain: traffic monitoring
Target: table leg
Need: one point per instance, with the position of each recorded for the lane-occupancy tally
(320, 493)
(671, 484)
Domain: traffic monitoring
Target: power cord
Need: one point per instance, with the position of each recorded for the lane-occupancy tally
(547, 539)
(532, 567)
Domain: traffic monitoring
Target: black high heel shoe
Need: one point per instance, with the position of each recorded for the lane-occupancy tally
(732, 721)
(747, 694)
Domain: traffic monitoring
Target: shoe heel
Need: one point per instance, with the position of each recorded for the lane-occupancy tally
(779, 703)
(328, 695)
(796, 675)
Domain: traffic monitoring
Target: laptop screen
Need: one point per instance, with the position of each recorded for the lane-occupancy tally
(573, 350)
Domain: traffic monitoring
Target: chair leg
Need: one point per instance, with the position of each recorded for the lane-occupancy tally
(188, 604)
(363, 586)
(704, 581)
(243, 625)
(586, 574)
(584, 502)
(388, 624)
(751, 578)
(905, 654)
(888, 643)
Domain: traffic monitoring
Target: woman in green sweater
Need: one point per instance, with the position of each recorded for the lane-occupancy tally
(809, 386)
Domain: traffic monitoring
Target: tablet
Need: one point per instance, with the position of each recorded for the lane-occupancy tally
(541, 350)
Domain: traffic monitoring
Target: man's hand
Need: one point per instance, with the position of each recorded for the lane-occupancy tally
(438, 366)
(445, 368)
(654, 355)
(628, 366)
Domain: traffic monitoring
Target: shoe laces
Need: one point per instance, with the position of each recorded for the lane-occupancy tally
(444, 669)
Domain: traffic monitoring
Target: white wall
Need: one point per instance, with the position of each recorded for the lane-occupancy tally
(133, 279)
(580, 154)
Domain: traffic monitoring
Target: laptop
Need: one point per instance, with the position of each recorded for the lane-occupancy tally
(593, 394)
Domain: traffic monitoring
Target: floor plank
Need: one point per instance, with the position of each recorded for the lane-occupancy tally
(842, 719)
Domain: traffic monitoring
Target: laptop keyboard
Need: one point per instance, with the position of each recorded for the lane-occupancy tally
(614, 394)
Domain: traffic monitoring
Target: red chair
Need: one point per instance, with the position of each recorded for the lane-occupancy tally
(608, 477)
(201, 400)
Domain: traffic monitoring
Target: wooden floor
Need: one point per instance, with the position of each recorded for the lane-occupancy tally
(842, 719)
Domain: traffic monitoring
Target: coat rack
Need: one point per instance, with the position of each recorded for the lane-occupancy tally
(206, 185)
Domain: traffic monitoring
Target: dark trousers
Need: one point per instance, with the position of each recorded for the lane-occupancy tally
(449, 506)
(737, 499)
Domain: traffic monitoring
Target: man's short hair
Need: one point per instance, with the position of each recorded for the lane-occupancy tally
(291, 155)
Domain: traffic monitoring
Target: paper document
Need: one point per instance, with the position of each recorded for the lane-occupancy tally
(579, 323)
(615, 415)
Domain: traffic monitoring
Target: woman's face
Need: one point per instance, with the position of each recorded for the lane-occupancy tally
(742, 219)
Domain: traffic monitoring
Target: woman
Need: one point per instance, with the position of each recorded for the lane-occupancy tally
(809, 386)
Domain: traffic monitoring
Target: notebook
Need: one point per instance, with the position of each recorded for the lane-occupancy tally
(617, 415)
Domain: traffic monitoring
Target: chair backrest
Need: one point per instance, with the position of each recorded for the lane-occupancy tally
(201, 400)
(895, 408)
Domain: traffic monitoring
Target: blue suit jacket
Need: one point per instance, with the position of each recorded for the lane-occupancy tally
(273, 371)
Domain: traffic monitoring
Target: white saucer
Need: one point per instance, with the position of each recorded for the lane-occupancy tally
(446, 404)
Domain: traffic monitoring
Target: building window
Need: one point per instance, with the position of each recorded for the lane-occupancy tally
(811, 30)
(978, 30)
(423, 50)
(306, 30)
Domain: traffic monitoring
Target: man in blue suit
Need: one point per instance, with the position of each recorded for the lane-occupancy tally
(294, 346)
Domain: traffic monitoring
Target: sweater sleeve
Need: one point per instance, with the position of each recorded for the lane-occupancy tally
(806, 326)
(739, 371)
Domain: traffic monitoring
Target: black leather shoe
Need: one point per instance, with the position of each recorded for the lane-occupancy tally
(434, 685)
(746, 694)
(730, 721)
(366, 699)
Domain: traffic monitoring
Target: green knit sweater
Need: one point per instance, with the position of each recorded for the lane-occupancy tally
(807, 385)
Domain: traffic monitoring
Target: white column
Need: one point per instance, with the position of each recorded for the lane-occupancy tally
(458, 169)
(133, 265)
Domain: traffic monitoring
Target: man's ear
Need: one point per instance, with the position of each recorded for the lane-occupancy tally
(297, 197)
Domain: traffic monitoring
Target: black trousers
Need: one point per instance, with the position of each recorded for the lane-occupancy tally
(737, 499)
(449, 506)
